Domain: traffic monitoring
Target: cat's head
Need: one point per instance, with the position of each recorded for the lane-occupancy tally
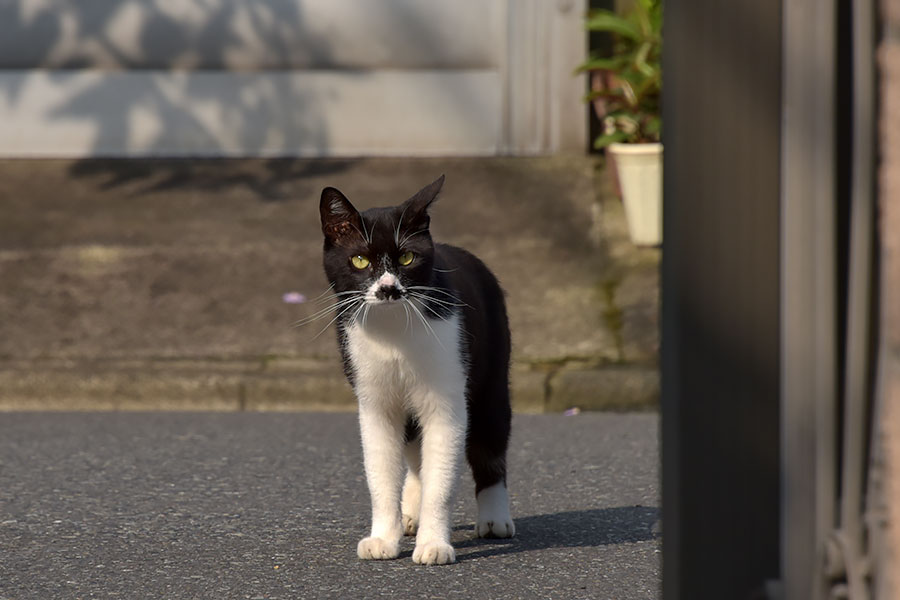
(381, 253)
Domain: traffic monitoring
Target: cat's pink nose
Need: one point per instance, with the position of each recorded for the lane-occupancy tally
(388, 280)
(387, 287)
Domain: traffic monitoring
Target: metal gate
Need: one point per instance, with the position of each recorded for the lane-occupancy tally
(832, 517)
(771, 462)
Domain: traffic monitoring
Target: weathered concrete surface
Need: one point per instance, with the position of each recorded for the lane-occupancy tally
(623, 387)
(150, 284)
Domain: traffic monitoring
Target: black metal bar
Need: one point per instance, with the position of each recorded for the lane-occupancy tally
(720, 297)
(849, 540)
(809, 286)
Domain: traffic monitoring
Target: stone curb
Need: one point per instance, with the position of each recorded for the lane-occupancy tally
(288, 384)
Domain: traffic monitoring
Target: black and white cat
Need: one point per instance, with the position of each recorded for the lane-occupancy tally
(423, 333)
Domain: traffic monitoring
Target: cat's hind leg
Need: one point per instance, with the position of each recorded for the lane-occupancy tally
(494, 520)
(486, 444)
(412, 487)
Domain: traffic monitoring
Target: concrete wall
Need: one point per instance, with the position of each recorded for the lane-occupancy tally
(290, 77)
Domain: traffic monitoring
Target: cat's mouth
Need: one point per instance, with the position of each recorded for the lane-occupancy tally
(388, 293)
(387, 290)
(386, 296)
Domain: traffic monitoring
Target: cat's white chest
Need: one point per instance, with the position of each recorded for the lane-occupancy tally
(398, 355)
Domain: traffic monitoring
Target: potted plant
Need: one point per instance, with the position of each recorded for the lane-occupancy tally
(626, 87)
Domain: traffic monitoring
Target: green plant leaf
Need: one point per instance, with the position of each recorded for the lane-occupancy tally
(655, 10)
(653, 126)
(615, 94)
(631, 83)
(633, 103)
(640, 59)
(605, 140)
(608, 64)
(649, 88)
(608, 94)
(641, 15)
(604, 20)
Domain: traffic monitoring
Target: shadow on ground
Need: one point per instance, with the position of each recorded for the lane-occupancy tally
(266, 179)
(571, 529)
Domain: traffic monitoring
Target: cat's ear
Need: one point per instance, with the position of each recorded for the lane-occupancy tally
(339, 217)
(415, 210)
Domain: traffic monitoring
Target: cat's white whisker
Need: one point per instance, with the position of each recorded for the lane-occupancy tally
(323, 312)
(427, 288)
(360, 233)
(331, 308)
(455, 303)
(399, 223)
(407, 237)
(345, 309)
(341, 300)
(424, 300)
(336, 301)
(368, 238)
(322, 295)
(419, 314)
(358, 311)
(432, 288)
(426, 323)
(434, 312)
(437, 300)
(338, 316)
(427, 299)
(335, 296)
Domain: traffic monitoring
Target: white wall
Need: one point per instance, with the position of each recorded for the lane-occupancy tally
(290, 77)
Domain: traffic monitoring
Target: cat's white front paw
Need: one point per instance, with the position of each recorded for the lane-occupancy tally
(501, 528)
(374, 548)
(410, 525)
(434, 553)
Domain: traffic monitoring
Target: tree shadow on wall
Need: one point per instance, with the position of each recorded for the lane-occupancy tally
(146, 75)
(142, 74)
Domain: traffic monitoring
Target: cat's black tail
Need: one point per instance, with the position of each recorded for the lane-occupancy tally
(488, 438)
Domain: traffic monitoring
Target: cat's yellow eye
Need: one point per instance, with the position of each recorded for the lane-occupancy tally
(359, 261)
(406, 258)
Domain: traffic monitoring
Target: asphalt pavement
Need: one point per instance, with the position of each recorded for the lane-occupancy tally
(252, 506)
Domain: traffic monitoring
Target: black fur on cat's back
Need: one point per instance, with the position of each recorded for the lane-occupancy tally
(486, 342)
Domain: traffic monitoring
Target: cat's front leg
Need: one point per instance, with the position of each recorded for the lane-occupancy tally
(412, 487)
(443, 439)
(382, 439)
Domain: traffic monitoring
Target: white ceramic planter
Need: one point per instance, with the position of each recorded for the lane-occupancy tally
(639, 167)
